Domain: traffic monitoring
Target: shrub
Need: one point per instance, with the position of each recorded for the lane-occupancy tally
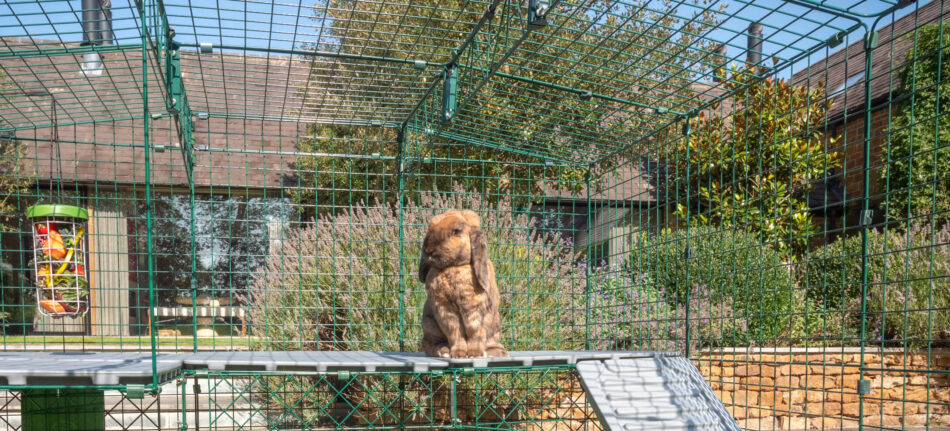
(627, 311)
(908, 296)
(752, 168)
(335, 284)
(832, 274)
(920, 131)
(735, 267)
(909, 293)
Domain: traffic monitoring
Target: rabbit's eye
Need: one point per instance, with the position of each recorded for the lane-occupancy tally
(457, 230)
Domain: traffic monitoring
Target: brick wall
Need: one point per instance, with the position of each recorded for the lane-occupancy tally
(851, 147)
(794, 389)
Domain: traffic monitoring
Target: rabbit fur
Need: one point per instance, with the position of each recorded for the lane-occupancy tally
(460, 317)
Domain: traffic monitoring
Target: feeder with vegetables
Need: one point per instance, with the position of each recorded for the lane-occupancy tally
(62, 285)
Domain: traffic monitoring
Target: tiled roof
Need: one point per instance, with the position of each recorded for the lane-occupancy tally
(101, 129)
(894, 43)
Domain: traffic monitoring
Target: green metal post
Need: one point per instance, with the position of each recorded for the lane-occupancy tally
(870, 42)
(587, 274)
(184, 410)
(194, 262)
(687, 253)
(402, 239)
(148, 204)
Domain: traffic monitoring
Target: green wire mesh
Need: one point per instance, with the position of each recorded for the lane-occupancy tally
(259, 175)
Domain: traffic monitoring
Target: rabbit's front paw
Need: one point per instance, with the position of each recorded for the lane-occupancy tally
(476, 350)
(459, 350)
(443, 351)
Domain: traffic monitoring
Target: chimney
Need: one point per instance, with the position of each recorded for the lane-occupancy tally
(754, 56)
(106, 36)
(720, 59)
(96, 30)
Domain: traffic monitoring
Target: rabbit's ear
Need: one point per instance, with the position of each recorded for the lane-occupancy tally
(480, 264)
(423, 266)
(423, 261)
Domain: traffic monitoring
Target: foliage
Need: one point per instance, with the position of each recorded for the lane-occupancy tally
(430, 30)
(335, 284)
(909, 299)
(919, 131)
(15, 176)
(751, 168)
(832, 273)
(629, 312)
(735, 266)
(908, 281)
(326, 185)
(899, 278)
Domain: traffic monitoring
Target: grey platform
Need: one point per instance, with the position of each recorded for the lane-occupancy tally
(383, 361)
(651, 393)
(313, 361)
(85, 369)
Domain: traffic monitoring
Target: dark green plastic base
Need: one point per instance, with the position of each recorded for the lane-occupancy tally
(63, 409)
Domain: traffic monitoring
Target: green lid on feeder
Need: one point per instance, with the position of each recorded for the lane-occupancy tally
(40, 211)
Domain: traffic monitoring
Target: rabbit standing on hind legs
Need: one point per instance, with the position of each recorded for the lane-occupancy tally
(460, 317)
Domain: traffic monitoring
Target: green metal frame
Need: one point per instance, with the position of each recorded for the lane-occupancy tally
(582, 140)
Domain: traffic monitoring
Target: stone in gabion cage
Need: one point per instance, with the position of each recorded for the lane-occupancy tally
(62, 283)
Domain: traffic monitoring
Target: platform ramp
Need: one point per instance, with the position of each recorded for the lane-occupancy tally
(653, 393)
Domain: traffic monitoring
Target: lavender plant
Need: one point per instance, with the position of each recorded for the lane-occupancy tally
(908, 296)
(629, 311)
(338, 283)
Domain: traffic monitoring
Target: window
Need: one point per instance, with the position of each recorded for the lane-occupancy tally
(232, 236)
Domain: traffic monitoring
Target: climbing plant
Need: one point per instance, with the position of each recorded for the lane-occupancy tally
(919, 132)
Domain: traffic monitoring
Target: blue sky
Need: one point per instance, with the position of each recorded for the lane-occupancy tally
(284, 25)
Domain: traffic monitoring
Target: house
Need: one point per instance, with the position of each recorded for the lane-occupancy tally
(622, 202)
(835, 199)
(94, 158)
(843, 74)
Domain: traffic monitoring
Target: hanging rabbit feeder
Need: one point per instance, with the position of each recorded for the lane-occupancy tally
(62, 284)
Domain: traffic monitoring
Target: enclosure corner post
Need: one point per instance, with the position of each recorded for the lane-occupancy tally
(686, 253)
(587, 273)
(400, 138)
(148, 199)
(194, 261)
(870, 42)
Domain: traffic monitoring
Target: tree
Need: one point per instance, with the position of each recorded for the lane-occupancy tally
(505, 111)
(15, 179)
(751, 168)
(921, 132)
(14, 175)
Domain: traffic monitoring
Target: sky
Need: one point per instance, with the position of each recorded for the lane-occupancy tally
(265, 24)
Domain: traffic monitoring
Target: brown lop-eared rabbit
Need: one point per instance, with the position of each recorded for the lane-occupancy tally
(460, 317)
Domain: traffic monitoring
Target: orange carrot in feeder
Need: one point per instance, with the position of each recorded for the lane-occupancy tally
(52, 306)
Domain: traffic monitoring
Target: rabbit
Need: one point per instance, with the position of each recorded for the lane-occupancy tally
(460, 317)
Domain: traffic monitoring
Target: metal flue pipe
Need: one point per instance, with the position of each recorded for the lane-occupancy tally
(96, 30)
(754, 45)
